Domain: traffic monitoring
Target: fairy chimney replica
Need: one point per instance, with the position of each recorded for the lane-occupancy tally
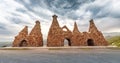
(57, 35)
(34, 39)
(20, 39)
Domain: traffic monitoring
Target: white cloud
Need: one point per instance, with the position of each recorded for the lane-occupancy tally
(106, 15)
(6, 8)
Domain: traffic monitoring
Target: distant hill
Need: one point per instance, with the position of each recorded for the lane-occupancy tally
(5, 44)
(111, 34)
(115, 41)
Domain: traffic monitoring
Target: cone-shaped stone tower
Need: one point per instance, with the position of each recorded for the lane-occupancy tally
(55, 23)
(75, 29)
(95, 36)
(35, 36)
(55, 34)
(34, 39)
(92, 27)
(77, 36)
(20, 39)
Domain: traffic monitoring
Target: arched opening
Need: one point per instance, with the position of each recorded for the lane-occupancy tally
(23, 43)
(67, 42)
(90, 42)
(64, 29)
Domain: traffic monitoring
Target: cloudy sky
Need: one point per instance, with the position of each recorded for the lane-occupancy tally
(15, 14)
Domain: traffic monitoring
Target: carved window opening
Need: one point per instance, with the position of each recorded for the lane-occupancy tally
(67, 42)
(23, 43)
(64, 29)
(90, 42)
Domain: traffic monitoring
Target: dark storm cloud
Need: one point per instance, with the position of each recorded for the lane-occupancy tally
(103, 10)
(65, 7)
(59, 7)
(15, 14)
(21, 10)
(68, 8)
(4, 30)
(95, 9)
(115, 14)
(16, 19)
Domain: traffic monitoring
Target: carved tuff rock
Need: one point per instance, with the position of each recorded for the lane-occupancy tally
(34, 39)
(57, 35)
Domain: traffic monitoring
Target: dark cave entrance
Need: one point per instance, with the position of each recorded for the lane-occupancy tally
(67, 42)
(23, 43)
(90, 42)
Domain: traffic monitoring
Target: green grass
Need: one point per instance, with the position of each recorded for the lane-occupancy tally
(114, 41)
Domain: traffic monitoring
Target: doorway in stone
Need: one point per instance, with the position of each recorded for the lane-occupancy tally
(23, 43)
(67, 42)
(90, 42)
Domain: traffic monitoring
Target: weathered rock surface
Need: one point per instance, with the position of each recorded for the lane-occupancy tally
(34, 39)
(20, 39)
(57, 35)
(78, 39)
(95, 36)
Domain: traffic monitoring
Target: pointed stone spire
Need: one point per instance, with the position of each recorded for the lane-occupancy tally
(21, 36)
(54, 28)
(75, 27)
(36, 29)
(55, 22)
(24, 31)
(35, 36)
(76, 36)
(96, 35)
(55, 34)
(92, 27)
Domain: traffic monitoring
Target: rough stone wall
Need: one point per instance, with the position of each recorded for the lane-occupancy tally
(67, 34)
(78, 39)
(34, 39)
(35, 36)
(55, 34)
(81, 39)
(21, 36)
(96, 35)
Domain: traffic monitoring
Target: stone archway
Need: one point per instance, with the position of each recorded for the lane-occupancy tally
(90, 42)
(67, 42)
(23, 43)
